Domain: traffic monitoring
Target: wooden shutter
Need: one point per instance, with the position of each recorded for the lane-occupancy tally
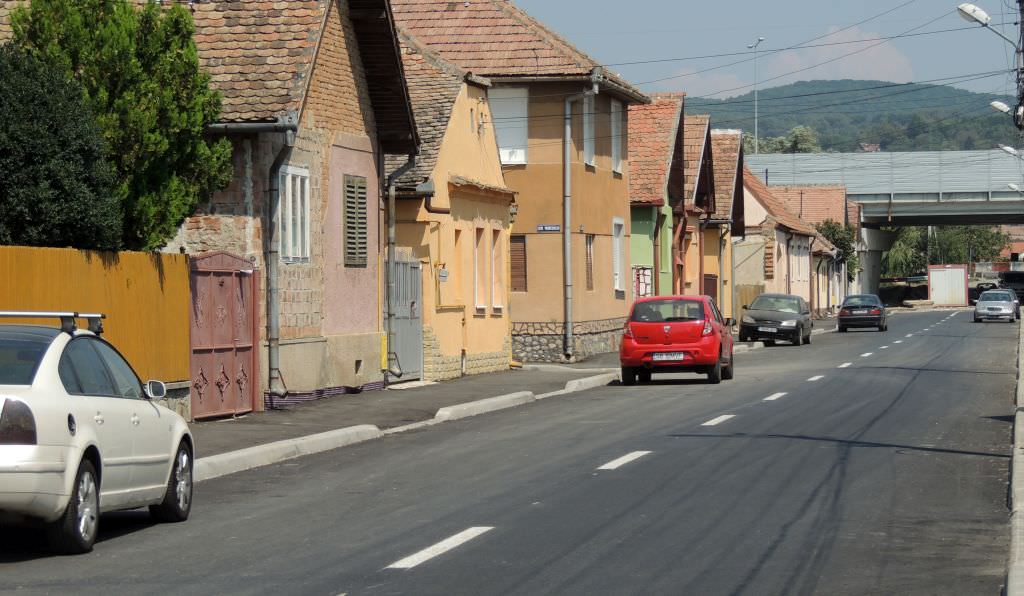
(355, 221)
(590, 261)
(517, 254)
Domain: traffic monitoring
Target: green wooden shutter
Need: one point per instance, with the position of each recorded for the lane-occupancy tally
(355, 221)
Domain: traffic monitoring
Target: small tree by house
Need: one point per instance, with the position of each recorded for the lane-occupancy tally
(844, 238)
(56, 185)
(140, 71)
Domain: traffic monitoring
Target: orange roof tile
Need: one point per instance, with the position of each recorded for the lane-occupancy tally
(696, 132)
(814, 203)
(653, 129)
(495, 38)
(775, 206)
(727, 149)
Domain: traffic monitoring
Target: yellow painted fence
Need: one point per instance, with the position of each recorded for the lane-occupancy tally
(145, 296)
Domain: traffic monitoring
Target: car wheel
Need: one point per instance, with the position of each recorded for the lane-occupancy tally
(177, 503)
(807, 340)
(644, 376)
(798, 340)
(727, 370)
(715, 374)
(977, 320)
(769, 343)
(842, 329)
(628, 376)
(75, 532)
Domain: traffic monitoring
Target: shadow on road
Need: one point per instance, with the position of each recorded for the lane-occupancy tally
(20, 543)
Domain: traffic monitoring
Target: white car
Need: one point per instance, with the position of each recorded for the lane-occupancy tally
(997, 305)
(79, 434)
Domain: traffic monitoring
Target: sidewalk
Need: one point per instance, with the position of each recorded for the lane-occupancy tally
(383, 409)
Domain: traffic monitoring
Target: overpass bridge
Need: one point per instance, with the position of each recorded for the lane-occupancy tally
(917, 188)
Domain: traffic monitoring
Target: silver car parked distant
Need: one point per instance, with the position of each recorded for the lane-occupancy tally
(1000, 305)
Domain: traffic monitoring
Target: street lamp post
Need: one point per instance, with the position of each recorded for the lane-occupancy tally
(974, 14)
(753, 46)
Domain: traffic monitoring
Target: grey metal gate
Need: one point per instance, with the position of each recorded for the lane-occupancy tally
(408, 323)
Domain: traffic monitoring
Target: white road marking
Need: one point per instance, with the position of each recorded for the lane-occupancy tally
(866, 354)
(845, 365)
(625, 459)
(440, 548)
(719, 420)
(884, 348)
(910, 335)
(775, 396)
(898, 341)
(816, 378)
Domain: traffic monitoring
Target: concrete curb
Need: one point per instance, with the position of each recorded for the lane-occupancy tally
(564, 368)
(214, 466)
(1015, 567)
(482, 406)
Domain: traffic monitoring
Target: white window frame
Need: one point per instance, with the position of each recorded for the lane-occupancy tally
(497, 270)
(588, 129)
(294, 244)
(616, 130)
(510, 114)
(479, 260)
(618, 235)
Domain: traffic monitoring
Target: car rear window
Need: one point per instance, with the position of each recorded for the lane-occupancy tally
(658, 311)
(861, 301)
(776, 303)
(996, 297)
(20, 355)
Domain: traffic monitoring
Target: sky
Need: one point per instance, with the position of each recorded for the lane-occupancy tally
(616, 32)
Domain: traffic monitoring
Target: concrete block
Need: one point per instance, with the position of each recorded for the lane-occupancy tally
(590, 382)
(482, 406)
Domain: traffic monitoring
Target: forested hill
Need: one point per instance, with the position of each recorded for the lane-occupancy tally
(844, 113)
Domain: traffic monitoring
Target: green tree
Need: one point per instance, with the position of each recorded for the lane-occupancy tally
(907, 255)
(140, 71)
(844, 238)
(56, 186)
(800, 139)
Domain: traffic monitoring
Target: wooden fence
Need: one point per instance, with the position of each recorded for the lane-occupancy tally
(145, 296)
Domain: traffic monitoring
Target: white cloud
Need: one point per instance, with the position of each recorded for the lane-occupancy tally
(700, 84)
(882, 62)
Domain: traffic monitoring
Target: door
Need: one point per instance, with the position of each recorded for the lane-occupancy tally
(95, 405)
(224, 362)
(407, 351)
(711, 286)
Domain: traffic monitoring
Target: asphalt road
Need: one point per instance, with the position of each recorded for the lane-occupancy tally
(888, 476)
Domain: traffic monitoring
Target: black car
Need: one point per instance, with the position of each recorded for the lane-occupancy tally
(773, 317)
(863, 310)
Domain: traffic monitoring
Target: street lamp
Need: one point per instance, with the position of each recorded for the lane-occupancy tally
(973, 14)
(1013, 187)
(1010, 150)
(753, 46)
(999, 106)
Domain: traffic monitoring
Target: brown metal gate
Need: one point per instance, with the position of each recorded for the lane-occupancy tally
(225, 362)
(711, 286)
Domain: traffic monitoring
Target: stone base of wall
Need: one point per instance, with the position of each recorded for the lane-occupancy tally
(438, 367)
(544, 342)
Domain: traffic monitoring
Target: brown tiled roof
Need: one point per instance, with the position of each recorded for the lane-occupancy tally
(726, 147)
(819, 202)
(775, 207)
(652, 135)
(695, 136)
(495, 38)
(434, 85)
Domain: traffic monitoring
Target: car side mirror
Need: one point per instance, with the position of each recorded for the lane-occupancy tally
(973, 301)
(745, 307)
(729, 322)
(156, 390)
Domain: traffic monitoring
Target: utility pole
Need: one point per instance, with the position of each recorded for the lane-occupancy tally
(753, 46)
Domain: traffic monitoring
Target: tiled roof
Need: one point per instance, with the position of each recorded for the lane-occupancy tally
(495, 38)
(726, 147)
(819, 202)
(652, 140)
(434, 85)
(774, 205)
(695, 135)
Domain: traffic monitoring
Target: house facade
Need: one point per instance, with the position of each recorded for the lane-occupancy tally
(454, 215)
(655, 153)
(309, 129)
(694, 242)
(728, 220)
(561, 122)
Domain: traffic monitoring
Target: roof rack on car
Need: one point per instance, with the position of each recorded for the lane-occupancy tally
(67, 319)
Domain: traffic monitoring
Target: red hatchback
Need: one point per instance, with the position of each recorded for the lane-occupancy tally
(676, 334)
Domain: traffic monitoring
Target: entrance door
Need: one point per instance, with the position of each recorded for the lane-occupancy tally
(408, 323)
(224, 363)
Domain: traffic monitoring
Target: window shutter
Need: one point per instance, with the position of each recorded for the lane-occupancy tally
(517, 254)
(588, 129)
(616, 126)
(590, 261)
(355, 222)
(509, 110)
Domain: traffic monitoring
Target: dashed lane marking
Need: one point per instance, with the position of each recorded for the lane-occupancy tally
(910, 335)
(866, 354)
(440, 548)
(898, 341)
(775, 396)
(625, 459)
(884, 348)
(845, 365)
(816, 378)
(719, 420)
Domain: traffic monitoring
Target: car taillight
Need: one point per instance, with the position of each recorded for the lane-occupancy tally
(844, 311)
(17, 425)
(626, 331)
(876, 311)
(707, 328)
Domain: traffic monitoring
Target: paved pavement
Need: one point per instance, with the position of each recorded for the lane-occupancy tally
(886, 476)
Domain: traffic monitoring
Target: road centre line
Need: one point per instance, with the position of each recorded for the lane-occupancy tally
(844, 365)
(625, 459)
(440, 548)
(898, 341)
(816, 378)
(910, 335)
(719, 420)
(884, 348)
(866, 354)
(775, 396)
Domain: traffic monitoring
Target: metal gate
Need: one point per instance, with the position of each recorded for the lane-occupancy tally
(711, 286)
(224, 363)
(408, 323)
(643, 282)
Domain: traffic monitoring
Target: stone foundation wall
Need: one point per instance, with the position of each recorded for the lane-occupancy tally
(438, 367)
(543, 342)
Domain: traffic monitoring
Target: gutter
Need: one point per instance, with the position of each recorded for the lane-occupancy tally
(289, 125)
(659, 223)
(789, 262)
(390, 321)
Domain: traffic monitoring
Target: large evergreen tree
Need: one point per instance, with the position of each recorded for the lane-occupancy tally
(56, 186)
(140, 71)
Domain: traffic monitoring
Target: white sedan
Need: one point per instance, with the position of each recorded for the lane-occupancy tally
(80, 434)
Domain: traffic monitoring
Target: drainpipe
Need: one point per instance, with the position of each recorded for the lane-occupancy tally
(789, 263)
(721, 264)
(812, 283)
(659, 222)
(390, 273)
(568, 347)
(289, 125)
(701, 226)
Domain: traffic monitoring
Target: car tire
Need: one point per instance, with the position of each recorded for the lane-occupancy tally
(177, 503)
(769, 343)
(628, 376)
(727, 371)
(977, 320)
(798, 340)
(644, 376)
(807, 340)
(842, 329)
(715, 374)
(75, 532)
